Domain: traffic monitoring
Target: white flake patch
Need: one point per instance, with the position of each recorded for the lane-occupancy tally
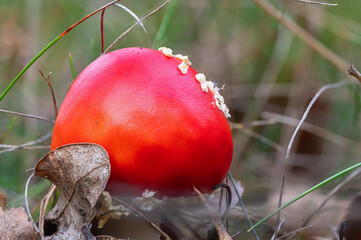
(219, 100)
(205, 86)
(221, 104)
(183, 59)
(148, 202)
(166, 51)
(201, 78)
(183, 67)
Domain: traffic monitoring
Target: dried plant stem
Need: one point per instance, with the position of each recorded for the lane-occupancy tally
(102, 29)
(27, 205)
(310, 40)
(50, 45)
(27, 115)
(353, 72)
(295, 232)
(43, 206)
(280, 208)
(132, 14)
(240, 201)
(289, 147)
(30, 148)
(48, 135)
(274, 236)
(135, 24)
(318, 131)
(47, 79)
(262, 139)
(317, 3)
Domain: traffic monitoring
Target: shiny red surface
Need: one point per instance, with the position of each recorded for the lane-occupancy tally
(161, 131)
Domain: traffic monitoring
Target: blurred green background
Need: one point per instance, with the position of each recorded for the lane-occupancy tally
(268, 72)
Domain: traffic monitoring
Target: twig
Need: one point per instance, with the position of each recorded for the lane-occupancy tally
(27, 205)
(102, 29)
(295, 231)
(310, 40)
(27, 148)
(289, 147)
(274, 236)
(135, 24)
(240, 201)
(42, 139)
(136, 212)
(27, 115)
(132, 14)
(353, 72)
(47, 79)
(43, 206)
(317, 3)
(263, 139)
(48, 135)
(318, 131)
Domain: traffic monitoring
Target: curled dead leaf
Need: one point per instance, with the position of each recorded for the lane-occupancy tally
(80, 172)
(15, 224)
(2, 201)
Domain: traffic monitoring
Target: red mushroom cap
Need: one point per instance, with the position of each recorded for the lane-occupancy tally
(161, 131)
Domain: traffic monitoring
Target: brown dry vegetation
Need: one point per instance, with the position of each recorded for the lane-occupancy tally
(268, 71)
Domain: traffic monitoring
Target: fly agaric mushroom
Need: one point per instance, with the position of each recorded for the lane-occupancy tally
(163, 130)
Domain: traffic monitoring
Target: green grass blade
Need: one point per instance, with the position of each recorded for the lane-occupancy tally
(339, 174)
(51, 44)
(159, 38)
(10, 126)
(28, 66)
(71, 66)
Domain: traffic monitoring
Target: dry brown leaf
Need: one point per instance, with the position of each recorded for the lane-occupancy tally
(2, 201)
(80, 172)
(15, 224)
(221, 230)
